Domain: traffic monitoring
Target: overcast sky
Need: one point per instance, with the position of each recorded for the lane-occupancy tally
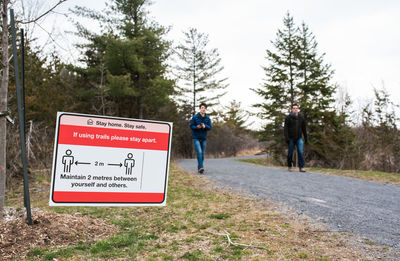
(360, 38)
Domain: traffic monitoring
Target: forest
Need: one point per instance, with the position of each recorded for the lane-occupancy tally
(129, 69)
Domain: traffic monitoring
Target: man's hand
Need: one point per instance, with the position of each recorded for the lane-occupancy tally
(199, 126)
(203, 126)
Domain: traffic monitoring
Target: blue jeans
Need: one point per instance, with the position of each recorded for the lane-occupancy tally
(200, 146)
(299, 145)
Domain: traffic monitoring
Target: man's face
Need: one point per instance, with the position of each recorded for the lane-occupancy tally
(295, 110)
(203, 109)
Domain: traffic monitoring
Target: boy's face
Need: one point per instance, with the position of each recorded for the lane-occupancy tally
(295, 109)
(203, 109)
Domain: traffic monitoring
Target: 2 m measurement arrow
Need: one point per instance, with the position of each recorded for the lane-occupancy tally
(83, 163)
(119, 164)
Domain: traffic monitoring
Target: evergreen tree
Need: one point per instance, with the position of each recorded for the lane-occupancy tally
(198, 68)
(131, 53)
(315, 95)
(297, 74)
(234, 116)
(279, 89)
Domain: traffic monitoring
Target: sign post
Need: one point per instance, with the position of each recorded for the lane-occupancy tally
(110, 161)
(21, 118)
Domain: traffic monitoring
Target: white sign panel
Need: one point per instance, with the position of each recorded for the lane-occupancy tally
(109, 161)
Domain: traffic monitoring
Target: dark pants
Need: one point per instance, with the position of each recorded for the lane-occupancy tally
(299, 145)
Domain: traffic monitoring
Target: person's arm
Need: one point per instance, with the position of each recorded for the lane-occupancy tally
(286, 130)
(207, 124)
(193, 124)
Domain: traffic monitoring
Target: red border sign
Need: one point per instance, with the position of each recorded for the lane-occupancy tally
(109, 161)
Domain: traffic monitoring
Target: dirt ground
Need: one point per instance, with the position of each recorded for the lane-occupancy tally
(48, 229)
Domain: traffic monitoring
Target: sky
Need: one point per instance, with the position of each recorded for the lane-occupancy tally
(360, 39)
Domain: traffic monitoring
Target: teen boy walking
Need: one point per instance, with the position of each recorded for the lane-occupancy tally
(200, 125)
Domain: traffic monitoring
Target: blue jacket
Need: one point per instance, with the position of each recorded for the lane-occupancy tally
(197, 133)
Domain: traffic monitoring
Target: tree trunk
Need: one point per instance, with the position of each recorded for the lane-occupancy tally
(3, 103)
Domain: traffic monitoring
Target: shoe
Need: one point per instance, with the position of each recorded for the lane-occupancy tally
(201, 170)
(289, 169)
(301, 170)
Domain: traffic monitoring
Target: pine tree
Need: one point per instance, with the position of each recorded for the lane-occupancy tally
(279, 89)
(234, 116)
(133, 53)
(315, 95)
(297, 74)
(198, 69)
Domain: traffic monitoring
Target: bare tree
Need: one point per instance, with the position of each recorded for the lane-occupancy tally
(4, 8)
(3, 101)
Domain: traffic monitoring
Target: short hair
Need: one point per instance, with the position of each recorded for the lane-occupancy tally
(203, 104)
(295, 105)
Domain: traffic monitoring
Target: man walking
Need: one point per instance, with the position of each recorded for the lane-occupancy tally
(200, 125)
(295, 128)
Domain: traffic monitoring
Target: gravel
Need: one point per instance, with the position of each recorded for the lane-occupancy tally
(368, 209)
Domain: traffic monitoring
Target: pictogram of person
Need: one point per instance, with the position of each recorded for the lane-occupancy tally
(129, 163)
(68, 160)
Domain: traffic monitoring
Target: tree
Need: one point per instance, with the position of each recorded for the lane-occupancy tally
(379, 135)
(235, 117)
(3, 101)
(279, 89)
(315, 92)
(297, 74)
(4, 7)
(133, 53)
(197, 69)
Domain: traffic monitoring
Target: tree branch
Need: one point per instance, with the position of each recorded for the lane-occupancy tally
(45, 13)
(238, 244)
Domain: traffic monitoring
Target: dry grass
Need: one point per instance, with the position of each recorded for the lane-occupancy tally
(194, 226)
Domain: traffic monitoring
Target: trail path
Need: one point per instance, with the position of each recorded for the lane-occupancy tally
(369, 209)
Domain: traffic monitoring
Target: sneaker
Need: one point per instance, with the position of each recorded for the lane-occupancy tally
(289, 169)
(301, 170)
(201, 170)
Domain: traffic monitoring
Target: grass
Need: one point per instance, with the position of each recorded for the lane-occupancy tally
(194, 226)
(376, 176)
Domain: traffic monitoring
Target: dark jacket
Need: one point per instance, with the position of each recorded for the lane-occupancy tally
(197, 133)
(295, 126)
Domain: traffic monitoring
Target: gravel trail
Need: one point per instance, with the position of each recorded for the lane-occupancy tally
(368, 209)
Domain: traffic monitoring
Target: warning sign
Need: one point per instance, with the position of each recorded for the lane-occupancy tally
(109, 161)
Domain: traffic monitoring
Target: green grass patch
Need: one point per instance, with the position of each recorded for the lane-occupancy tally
(377, 176)
(219, 216)
(368, 242)
(193, 255)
